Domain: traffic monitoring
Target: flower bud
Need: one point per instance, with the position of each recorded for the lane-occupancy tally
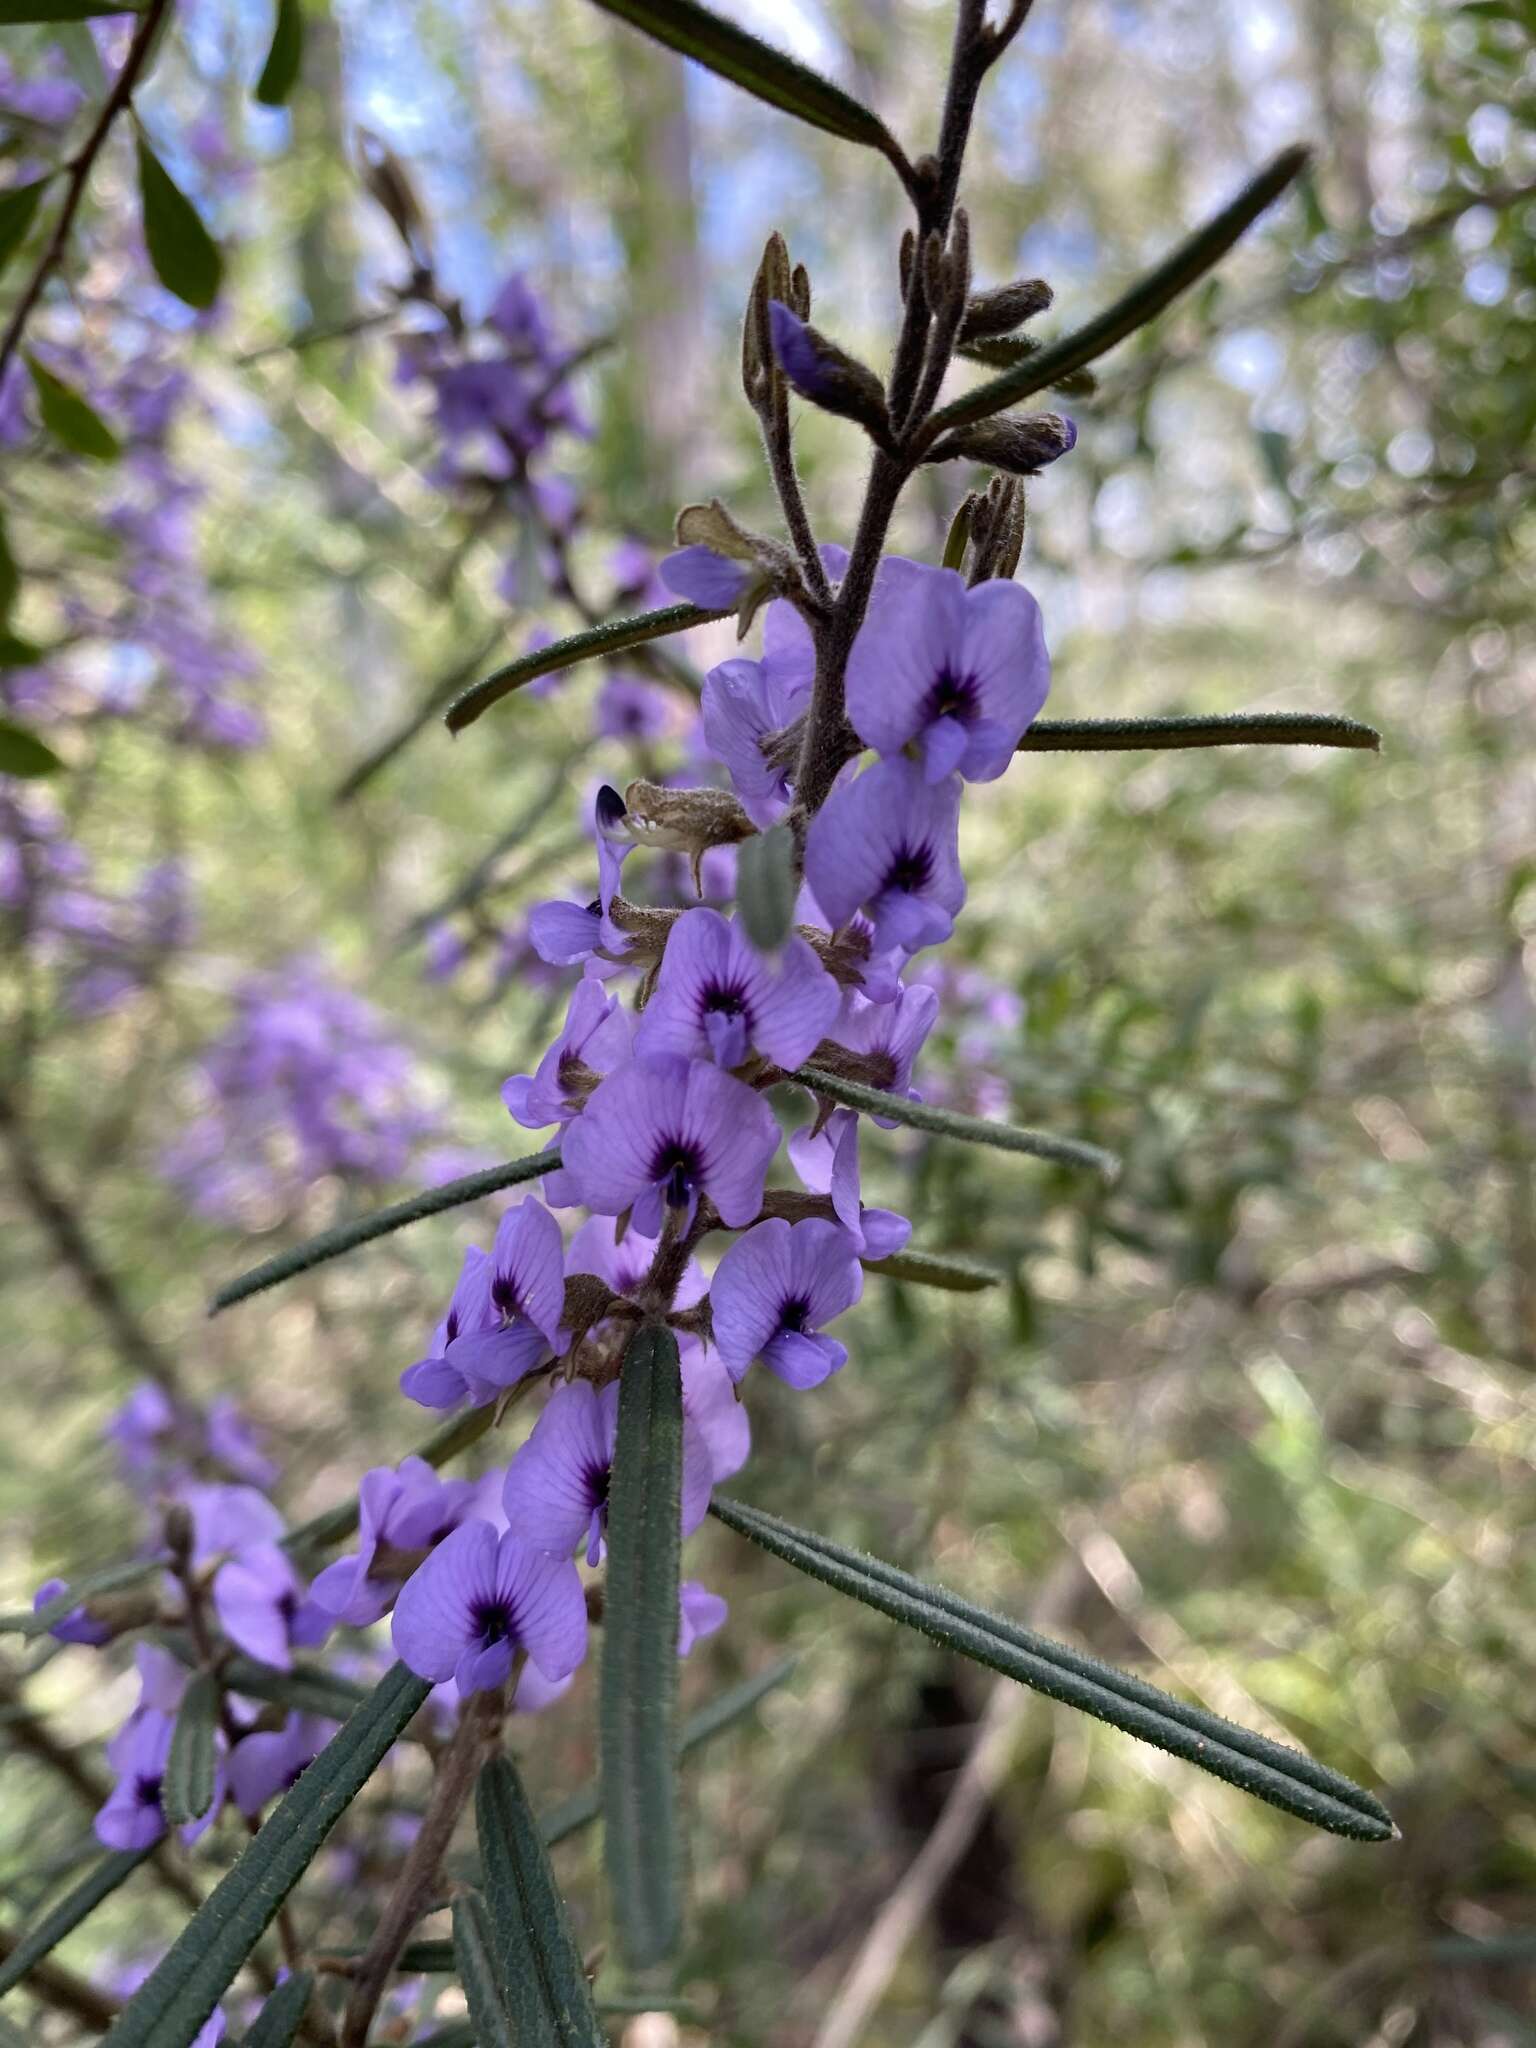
(826, 374)
(1002, 310)
(1021, 447)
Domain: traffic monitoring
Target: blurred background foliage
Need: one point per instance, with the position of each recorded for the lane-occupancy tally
(1258, 1419)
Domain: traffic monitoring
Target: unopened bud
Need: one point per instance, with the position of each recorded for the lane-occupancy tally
(1021, 447)
(1009, 306)
(687, 821)
(826, 374)
(178, 1532)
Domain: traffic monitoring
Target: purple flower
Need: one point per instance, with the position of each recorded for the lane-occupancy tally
(232, 1441)
(797, 354)
(711, 1407)
(140, 1427)
(556, 1494)
(746, 705)
(717, 998)
(629, 708)
(700, 1614)
(959, 673)
(74, 1627)
(132, 1818)
(774, 1290)
(663, 1130)
(596, 1039)
(478, 1599)
(263, 1766)
(257, 1597)
(705, 578)
(407, 1509)
(890, 1035)
(228, 1518)
(504, 1318)
(827, 1161)
(888, 843)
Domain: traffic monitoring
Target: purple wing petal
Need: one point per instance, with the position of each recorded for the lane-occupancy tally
(434, 1616)
(549, 1608)
(911, 639)
(557, 1481)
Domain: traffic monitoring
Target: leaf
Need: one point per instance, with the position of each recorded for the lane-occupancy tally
(612, 638)
(98, 1883)
(178, 1996)
(536, 1952)
(478, 1973)
(950, 1123)
(107, 1578)
(1269, 1771)
(1236, 729)
(69, 418)
(768, 74)
(14, 12)
(185, 256)
(637, 1712)
(187, 1793)
(23, 753)
(1143, 302)
(934, 1269)
(307, 1689)
(346, 1237)
(766, 887)
(277, 2024)
(17, 210)
(280, 73)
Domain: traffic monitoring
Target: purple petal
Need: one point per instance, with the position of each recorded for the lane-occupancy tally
(434, 1616)
(559, 1478)
(912, 637)
(700, 1613)
(434, 1383)
(549, 1608)
(801, 1360)
(248, 1597)
(530, 1254)
(889, 841)
(705, 578)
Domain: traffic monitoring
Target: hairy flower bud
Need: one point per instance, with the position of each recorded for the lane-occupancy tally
(1002, 310)
(687, 821)
(1021, 447)
(827, 375)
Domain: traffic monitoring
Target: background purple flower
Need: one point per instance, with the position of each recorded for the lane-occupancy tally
(775, 1290)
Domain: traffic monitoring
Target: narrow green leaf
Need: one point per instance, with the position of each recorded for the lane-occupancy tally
(1269, 1771)
(107, 1578)
(99, 1883)
(185, 256)
(69, 419)
(23, 753)
(935, 1269)
(174, 2001)
(766, 887)
(13, 13)
(187, 1793)
(280, 73)
(346, 1237)
(1143, 302)
(1232, 729)
(1006, 351)
(768, 74)
(306, 1689)
(612, 638)
(950, 1123)
(10, 575)
(18, 208)
(536, 1953)
(277, 2024)
(478, 1973)
(637, 1711)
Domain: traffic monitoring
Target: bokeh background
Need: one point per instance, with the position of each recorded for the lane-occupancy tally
(1258, 1419)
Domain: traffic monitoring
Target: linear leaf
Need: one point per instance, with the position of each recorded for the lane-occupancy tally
(185, 256)
(69, 418)
(1268, 1770)
(537, 1956)
(178, 1996)
(950, 1123)
(346, 1237)
(768, 74)
(306, 1689)
(935, 1269)
(612, 638)
(99, 1883)
(1143, 302)
(478, 1972)
(18, 208)
(766, 887)
(188, 1790)
(638, 1698)
(280, 73)
(109, 1578)
(277, 2024)
(1229, 729)
(23, 754)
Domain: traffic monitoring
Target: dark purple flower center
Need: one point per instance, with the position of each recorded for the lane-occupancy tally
(794, 1315)
(910, 869)
(451, 1325)
(287, 1605)
(677, 1168)
(951, 696)
(492, 1622)
(726, 1002)
(504, 1295)
(146, 1790)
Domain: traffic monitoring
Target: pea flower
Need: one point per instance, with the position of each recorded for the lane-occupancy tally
(700, 1613)
(265, 1765)
(258, 1597)
(504, 1318)
(957, 673)
(747, 706)
(481, 1597)
(716, 997)
(662, 1131)
(827, 1161)
(888, 843)
(595, 1040)
(405, 1509)
(76, 1626)
(705, 578)
(775, 1289)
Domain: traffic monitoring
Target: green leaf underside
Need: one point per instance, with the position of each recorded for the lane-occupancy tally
(935, 1269)
(637, 1712)
(185, 256)
(188, 1790)
(949, 1123)
(1143, 302)
(23, 754)
(278, 2022)
(480, 1976)
(331, 1244)
(536, 1953)
(99, 1883)
(178, 1996)
(68, 417)
(611, 638)
(767, 73)
(18, 208)
(1227, 729)
(1268, 1770)
(280, 73)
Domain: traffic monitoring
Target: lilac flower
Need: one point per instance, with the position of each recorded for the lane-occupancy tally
(746, 706)
(556, 1493)
(132, 1817)
(705, 578)
(629, 708)
(76, 1626)
(711, 1408)
(700, 1614)
(596, 1039)
(959, 673)
(889, 1035)
(888, 843)
(717, 998)
(827, 1161)
(265, 1765)
(504, 1318)
(233, 1443)
(228, 1518)
(406, 1509)
(774, 1290)
(258, 1599)
(478, 1599)
(663, 1130)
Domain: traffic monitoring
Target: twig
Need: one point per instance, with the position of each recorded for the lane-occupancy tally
(61, 1988)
